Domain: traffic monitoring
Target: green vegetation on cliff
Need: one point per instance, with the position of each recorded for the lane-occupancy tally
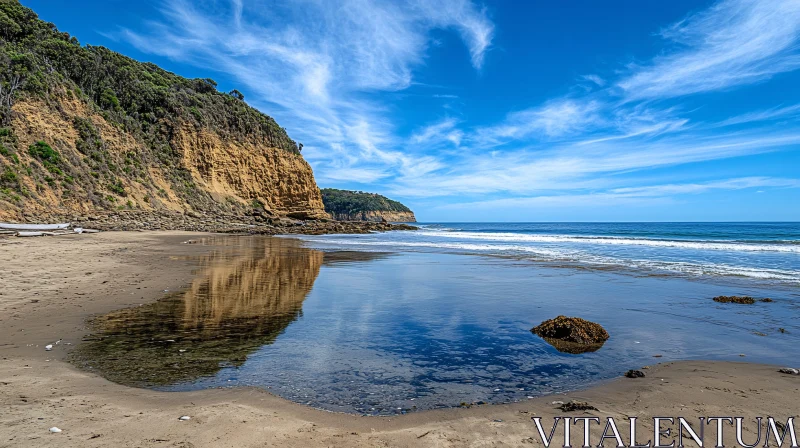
(37, 59)
(107, 98)
(345, 202)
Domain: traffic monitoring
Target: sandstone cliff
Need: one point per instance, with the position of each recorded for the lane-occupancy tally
(84, 129)
(214, 172)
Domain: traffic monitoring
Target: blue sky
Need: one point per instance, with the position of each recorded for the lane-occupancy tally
(504, 111)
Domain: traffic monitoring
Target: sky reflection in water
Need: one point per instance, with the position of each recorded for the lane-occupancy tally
(380, 333)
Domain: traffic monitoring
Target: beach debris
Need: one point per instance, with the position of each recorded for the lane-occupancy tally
(48, 347)
(573, 406)
(30, 234)
(758, 333)
(423, 434)
(572, 334)
(557, 402)
(789, 371)
(55, 430)
(34, 230)
(40, 227)
(744, 300)
(658, 356)
(184, 418)
(766, 300)
(634, 374)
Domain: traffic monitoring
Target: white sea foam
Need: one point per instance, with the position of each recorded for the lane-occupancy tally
(611, 240)
(564, 255)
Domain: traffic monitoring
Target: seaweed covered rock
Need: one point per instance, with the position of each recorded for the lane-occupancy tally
(572, 334)
(744, 300)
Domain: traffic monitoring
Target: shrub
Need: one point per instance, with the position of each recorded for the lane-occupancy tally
(8, 177)
(236, 94)
(109, 99)
(117, 188)
(44, 152)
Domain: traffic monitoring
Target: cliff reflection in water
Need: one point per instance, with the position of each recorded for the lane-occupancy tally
(245, 296)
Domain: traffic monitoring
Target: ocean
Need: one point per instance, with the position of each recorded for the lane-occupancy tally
(762, 251)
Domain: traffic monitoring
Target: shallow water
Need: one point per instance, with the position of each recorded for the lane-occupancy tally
(383, 333)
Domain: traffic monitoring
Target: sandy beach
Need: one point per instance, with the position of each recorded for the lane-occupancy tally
(50, 286)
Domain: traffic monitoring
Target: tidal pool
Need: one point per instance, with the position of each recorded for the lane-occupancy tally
(384, 333)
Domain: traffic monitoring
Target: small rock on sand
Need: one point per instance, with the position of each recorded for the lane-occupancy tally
(634, 374)
(184, 418)
(577, 406)
(55, 430)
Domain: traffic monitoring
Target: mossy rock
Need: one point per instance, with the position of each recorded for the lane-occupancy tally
(572, 334)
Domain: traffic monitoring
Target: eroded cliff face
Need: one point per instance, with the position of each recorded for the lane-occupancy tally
(281, 181)
(376, 216)
(103, 167)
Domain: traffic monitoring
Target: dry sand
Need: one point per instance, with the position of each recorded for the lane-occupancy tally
(49, 286)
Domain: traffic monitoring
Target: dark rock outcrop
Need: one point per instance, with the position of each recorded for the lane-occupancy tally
(744, 300)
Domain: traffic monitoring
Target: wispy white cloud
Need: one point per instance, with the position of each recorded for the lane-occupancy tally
(475, 29)
(320, 66)
(590, 140)
(732, 43)
(576, 166)
(595, 79)
(444, 130)
(317, 61)
(786, 112)
(556, 118)
(650, 194)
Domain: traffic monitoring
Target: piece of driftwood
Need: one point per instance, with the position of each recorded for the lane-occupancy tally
(33, 227)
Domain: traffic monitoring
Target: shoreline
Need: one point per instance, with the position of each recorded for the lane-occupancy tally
(256, 223)
(54, 284)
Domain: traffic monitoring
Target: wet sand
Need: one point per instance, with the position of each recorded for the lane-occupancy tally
(49, 286)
